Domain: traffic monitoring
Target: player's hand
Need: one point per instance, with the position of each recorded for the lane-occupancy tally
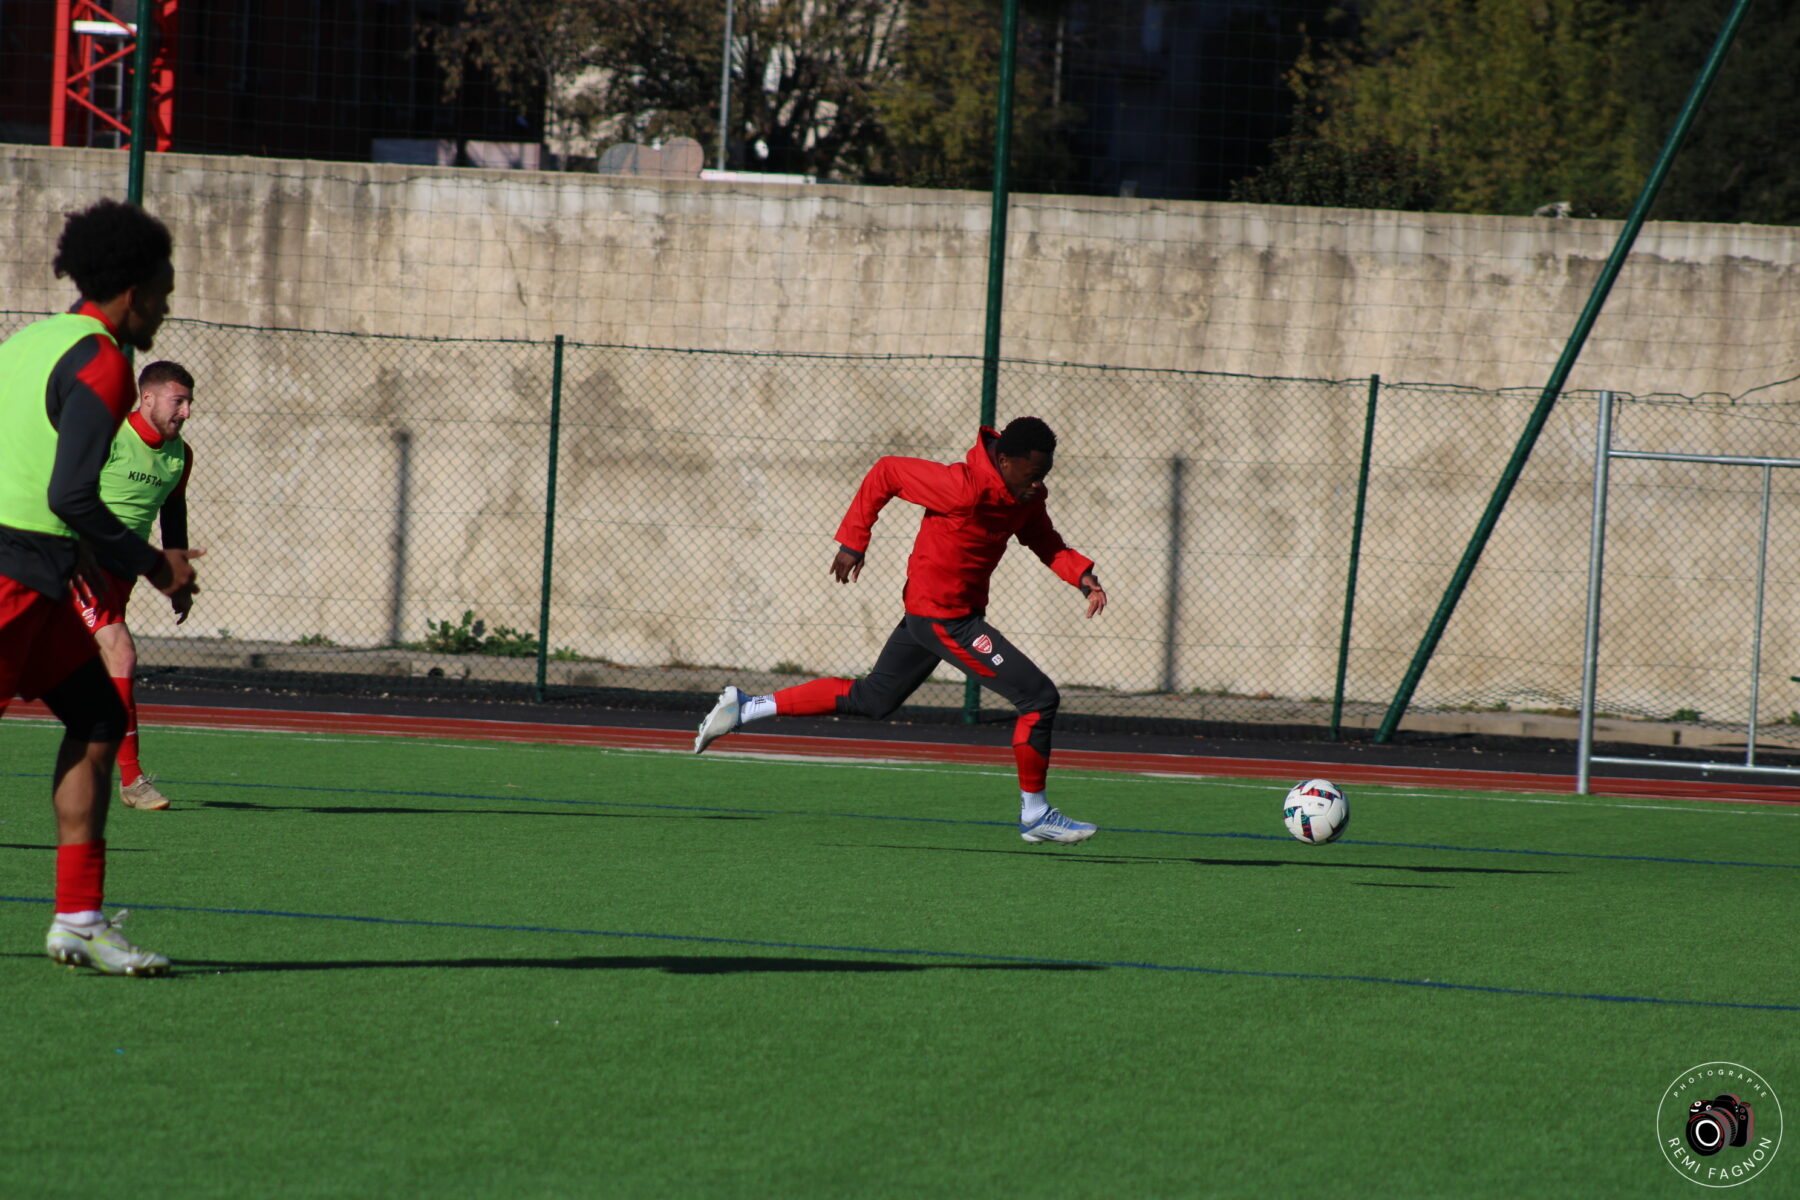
(846, 566)
(1096, 595)
(183, 603)
(174, 575)
(89, 582)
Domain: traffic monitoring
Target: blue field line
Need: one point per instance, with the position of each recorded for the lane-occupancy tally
(858, 816)
(950, 955)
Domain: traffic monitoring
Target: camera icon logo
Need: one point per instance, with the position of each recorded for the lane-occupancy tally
(1722, 1121)
(1719, 1124)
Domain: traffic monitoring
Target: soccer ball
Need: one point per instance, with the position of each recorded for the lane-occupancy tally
(1316, 811)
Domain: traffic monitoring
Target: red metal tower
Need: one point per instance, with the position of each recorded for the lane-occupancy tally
(89, 40)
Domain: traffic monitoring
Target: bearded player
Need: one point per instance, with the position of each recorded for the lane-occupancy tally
(145, 476)
(972, 509)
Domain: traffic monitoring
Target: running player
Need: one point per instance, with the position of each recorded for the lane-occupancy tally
(146, 473)
(972, 508)
(64, 387)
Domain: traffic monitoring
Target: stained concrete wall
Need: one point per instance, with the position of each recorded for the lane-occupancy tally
(1321, 293)
(699, 494)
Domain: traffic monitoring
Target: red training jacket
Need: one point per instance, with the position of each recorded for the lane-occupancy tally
(969, 515)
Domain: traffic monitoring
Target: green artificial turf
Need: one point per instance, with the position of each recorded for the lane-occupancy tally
(463, 969)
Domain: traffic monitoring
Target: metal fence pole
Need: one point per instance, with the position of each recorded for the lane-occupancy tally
(996, 283)
(1590, 643)
(543, 654)
(1172, 585)
(1756, 643)
(1356, 532)
(140, 104)
(725, 95)
(402, 514)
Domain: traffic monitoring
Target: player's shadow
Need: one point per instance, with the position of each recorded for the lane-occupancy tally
(668, 964)
(389, 810)
(46, 846)
(1134, 860)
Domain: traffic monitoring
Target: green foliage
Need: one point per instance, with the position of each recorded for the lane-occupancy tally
(469, 636)
(896, 91)
(506, 642)
(1312, 170)
(1740, 161)
(314, 639)
(1507, 106)
(789, 667)
(1685, 714)
(937, 110)
(643, 70)
(1512, 104)
(465, 637)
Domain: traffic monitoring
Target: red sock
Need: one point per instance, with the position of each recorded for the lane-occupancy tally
(80, 877)
(810, 699)
(1033, 765)
(129, 769)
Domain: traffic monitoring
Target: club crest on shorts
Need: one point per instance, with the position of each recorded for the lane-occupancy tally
(983, 644)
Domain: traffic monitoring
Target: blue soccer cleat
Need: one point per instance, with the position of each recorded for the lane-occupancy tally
(1054, 827)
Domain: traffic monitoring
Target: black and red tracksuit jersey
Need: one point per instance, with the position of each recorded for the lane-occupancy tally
(969, 517)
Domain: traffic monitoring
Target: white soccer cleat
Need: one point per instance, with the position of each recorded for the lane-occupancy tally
(721, 720)
(102, 947)
(1054, 827)
(143, 794)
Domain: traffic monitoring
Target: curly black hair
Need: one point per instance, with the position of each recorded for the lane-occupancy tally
(1024, 435)
(110, 246)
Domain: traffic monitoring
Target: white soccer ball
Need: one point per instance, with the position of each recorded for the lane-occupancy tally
(1316, 811)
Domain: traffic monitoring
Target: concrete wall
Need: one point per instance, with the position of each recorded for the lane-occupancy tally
(698, 492)
(1322, 293)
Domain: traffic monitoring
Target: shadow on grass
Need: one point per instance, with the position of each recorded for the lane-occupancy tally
(388, 810)
(1134, 860)
(47, 846)
(669, 964)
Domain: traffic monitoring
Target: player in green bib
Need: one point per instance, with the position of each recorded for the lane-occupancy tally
(65, 385)
(145, 477)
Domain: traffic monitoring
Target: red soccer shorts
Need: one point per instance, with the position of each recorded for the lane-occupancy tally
(105, 605)
(41, 641)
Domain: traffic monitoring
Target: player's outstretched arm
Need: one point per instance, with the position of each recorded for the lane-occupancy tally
(847, 565)
(1096, 595)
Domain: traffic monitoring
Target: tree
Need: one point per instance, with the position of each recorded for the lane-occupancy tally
(804, 71)
(1740, 161)
(1312, 170)
(528, 47)
(938, 109)
(1514, 104)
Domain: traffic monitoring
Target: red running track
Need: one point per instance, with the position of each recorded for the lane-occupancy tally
(620, 737)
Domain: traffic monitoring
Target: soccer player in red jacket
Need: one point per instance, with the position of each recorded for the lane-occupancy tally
(972, 508)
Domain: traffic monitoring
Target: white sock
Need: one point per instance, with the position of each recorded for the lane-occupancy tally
(81, 919)
(755, 708)
(1032, 807)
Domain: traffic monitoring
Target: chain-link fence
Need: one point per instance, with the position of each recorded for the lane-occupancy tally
(377, 511)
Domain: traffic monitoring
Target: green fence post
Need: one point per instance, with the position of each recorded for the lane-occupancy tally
(1356, 532)
(996, 281)
(543, 654)
(140, 105)
(1515, 466)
